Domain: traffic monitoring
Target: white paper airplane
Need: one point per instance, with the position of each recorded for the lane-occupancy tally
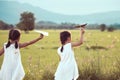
(42, 32)
(82, 25)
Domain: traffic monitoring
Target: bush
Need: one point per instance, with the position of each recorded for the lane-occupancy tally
(110, 29)
(102, 27)
(90, 71)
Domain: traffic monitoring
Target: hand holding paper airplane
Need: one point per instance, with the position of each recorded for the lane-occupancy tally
(42, 32)
(79, 26)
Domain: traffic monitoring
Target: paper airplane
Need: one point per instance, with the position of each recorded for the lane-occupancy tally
(79, 26)
(42, 32)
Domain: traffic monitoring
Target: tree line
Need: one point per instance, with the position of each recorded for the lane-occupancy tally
(27, 22)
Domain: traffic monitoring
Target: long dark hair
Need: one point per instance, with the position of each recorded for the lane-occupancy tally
(63, 38)
(13, 35)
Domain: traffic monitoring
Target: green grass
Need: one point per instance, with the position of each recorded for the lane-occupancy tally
(40, 60)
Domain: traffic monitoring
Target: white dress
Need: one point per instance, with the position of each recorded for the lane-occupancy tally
(67, 68)
(11, 68)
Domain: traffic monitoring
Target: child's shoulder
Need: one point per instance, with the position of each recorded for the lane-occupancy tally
(68, 45)
(59, 50)
(5, 44)
(11, 45)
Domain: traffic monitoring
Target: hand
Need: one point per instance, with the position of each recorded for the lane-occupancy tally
(82, 30)
(41, 36)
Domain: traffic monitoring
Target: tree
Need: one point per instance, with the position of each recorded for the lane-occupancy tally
(111, 29)
(5, 26)
(27, 21)
(102, 27)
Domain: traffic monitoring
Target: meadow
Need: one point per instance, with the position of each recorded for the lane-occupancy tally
(97, 58)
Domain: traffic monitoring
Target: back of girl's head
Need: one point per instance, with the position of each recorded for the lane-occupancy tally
(63, 37)
(13, 36)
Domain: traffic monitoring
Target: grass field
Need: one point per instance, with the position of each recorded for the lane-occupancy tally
(97, 58)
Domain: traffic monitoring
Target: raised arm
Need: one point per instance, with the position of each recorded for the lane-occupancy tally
(21, 45)
(1, 51)
(78, 43)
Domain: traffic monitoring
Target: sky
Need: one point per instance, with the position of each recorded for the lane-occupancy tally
(75, 7)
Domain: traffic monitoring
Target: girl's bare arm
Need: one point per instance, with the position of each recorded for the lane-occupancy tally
(21, 45)
(78, 43)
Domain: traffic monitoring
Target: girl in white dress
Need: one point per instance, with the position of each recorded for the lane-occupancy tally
(12, 68)
(67, 68)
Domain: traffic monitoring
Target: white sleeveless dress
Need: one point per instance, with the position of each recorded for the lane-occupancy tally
(11, 68)
(67, 68)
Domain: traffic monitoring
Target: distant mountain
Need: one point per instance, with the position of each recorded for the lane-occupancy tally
(10, 13)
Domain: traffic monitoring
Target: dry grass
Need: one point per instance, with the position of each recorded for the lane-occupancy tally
(100, 62)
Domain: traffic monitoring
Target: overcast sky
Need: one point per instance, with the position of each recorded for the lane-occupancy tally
(73, 7)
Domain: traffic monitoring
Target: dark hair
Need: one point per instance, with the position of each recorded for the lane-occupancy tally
(13, 35)
(63, 37)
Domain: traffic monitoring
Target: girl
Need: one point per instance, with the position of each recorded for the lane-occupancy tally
(67, 68)
(12, 68)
